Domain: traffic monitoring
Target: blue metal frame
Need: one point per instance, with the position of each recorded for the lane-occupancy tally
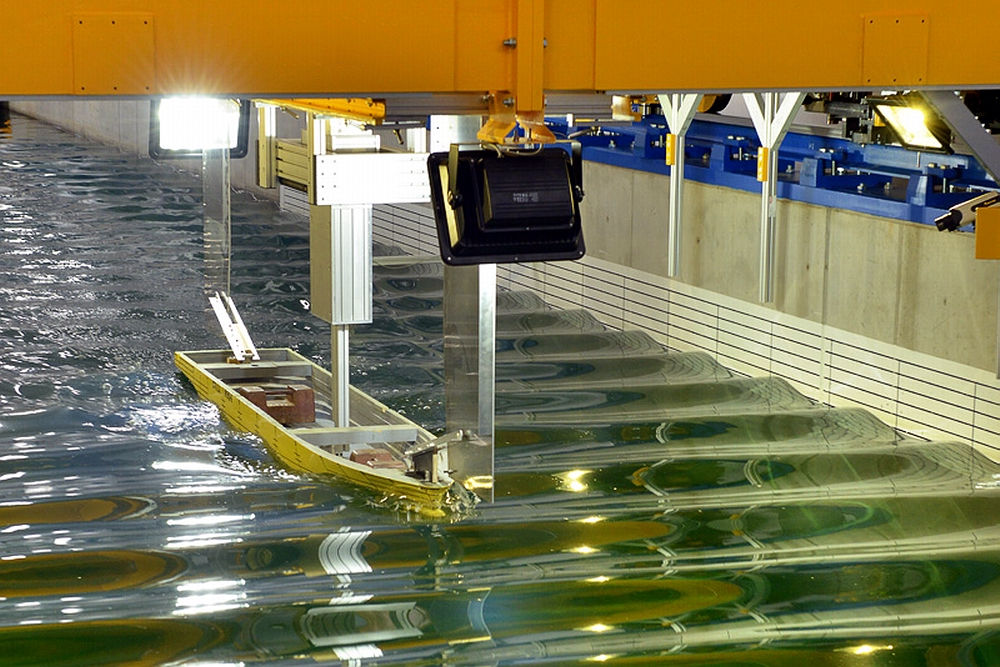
(886, 181)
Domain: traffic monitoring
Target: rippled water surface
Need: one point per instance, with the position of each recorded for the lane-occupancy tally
(652, 507)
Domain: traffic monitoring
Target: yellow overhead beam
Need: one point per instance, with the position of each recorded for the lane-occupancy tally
(365, 110)
(337, 48)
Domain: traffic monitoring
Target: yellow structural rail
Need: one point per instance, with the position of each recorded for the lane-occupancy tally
(516, 49)
(364, 110)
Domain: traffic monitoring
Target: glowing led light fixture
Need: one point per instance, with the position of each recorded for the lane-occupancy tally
(186, 126)
(913, 124)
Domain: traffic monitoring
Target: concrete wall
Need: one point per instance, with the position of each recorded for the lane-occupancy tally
(898, 282)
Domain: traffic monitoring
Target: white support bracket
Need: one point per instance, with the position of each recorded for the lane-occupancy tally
(772, 114)
(679, 110)
(340, 238)
(267, 145)
(232, 326)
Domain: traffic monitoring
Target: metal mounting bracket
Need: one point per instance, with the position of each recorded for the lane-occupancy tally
(232, 326)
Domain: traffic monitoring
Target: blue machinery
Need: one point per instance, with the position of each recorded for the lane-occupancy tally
(886, 181)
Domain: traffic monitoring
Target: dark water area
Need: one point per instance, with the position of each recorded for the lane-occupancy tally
(652, 507)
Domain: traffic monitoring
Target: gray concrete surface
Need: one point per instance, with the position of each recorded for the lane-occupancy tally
(898, 282)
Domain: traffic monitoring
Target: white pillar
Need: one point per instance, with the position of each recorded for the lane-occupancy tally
(772, 114)
(470, 294)
(679, 110)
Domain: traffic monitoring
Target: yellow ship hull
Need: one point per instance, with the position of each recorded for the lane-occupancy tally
(205, 369)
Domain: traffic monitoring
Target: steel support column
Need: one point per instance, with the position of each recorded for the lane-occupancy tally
(679, 110)
(267, 145)
(469, 370)
(470, 294)
(340, 259)
(772, 114)
(340, 371)
(340, 265)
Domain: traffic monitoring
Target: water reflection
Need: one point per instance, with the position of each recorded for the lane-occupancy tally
(652, 507)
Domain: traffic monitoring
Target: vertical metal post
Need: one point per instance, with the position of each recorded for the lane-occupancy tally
(769, 192)
(316, 130)
(675, 207)
(469, 343)
(336, 237)
(340, 387)
(215, 184)
(772, 114)
(679, 110)
(469, 369)
(340, 273)
(267, 145)
(768, 204)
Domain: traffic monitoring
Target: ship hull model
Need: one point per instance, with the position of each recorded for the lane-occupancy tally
(280, 398)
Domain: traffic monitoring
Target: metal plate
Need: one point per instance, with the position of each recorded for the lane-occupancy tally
(372, 178)
(895, 49)
(113, 54)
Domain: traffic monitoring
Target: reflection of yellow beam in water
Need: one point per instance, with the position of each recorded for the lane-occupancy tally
(502, 612)
(86, 572)
(510, 610)
(406, 548)
(822, 656)
(65, 511)
(146, 641)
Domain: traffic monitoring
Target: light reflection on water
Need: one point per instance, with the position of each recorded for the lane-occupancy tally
(651, 509)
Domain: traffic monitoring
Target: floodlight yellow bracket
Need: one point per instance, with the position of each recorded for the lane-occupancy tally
(503, 118)
(524, 103)
(533, 124)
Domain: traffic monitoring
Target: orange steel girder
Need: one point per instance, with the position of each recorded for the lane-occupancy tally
(335, 48)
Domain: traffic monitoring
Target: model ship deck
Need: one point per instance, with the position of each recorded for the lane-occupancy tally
(280, 398)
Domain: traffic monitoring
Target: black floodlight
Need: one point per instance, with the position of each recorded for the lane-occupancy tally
(913, 123)
(503, 205)
(964, 213)
(185, 126)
